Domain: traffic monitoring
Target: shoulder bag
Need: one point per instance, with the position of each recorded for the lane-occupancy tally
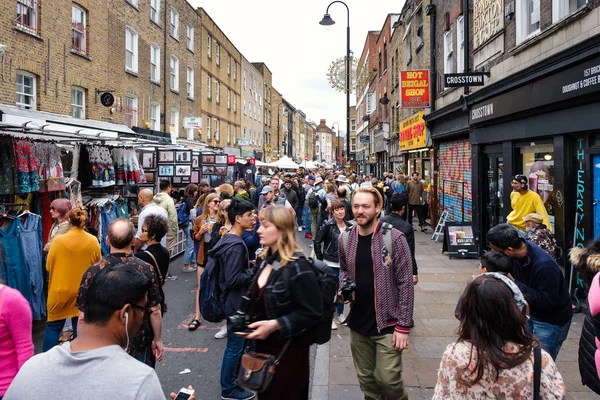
(537, 372)
(162, 281)
(257, 370)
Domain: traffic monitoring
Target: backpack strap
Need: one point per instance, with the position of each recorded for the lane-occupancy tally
(162, 281)
(386, 232)
(537, 372)
(346, 237)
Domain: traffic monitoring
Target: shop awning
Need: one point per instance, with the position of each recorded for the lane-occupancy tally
(44, 122)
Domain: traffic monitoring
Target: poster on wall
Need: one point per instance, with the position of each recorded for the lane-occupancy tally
(459, 240)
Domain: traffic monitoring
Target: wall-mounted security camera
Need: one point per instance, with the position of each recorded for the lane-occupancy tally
(509, 11)
(3, 48)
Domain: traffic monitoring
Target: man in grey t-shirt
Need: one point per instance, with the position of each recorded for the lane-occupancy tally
(95, 364)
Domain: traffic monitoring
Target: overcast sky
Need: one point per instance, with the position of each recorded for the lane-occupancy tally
(286, 35)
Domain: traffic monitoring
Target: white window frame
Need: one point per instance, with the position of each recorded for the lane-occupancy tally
(228, 99)
(134, 3)
(208, 83)
(74, 105)
(174, 71)
(245, 85)
(208, 132)
(174, 23)
(131, 110)
(131, 50)
(79, 29)
(460, 44)
(216, 121)
(235, 103)
(189, 31)
(155, 11)
(218, 54)
(208, 46)
(448, 53)
(22, 94)
(30, 9)
(217, 92)
(235, 70)
(154, 63)
(525, 18)
(229, 64)
(174, 121)
(190, 82)
(228, 133)
(245, 108)
(190, 131)
(561, 9)
(154, 116)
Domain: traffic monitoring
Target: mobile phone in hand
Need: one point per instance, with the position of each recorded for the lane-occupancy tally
(184, 394)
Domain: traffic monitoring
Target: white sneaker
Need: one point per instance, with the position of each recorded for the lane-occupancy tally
(333, 325)
(222, 334)
(340, 319)
(299, 229)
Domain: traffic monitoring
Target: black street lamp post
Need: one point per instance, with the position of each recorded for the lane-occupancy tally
(328, 21)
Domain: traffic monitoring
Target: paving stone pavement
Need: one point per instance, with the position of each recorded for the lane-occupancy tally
(441, 281)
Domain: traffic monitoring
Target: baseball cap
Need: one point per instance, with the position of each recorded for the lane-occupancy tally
(266, 190)
(522, 179)
(374, 181)
(311, 177)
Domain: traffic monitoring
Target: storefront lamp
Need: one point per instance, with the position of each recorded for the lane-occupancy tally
(548, 157)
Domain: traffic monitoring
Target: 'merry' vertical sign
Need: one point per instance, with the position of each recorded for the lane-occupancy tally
(414, 88)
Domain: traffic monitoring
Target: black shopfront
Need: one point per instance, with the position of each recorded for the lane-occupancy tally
(543, 122)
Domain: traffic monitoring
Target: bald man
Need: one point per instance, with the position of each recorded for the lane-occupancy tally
(149, 207)
(121, 234)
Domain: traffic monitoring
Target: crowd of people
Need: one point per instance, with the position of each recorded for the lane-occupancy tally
(514, 315)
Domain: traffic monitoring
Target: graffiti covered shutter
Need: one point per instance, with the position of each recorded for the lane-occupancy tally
(454, 180)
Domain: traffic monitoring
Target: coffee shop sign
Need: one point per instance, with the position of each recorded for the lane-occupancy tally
(488, 20)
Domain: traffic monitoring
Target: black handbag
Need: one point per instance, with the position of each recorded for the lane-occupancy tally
(257, 370)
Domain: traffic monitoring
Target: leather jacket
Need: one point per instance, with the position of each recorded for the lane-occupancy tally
(326, 242)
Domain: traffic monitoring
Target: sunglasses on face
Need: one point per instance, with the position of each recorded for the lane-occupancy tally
(51, 208)
(216, 201)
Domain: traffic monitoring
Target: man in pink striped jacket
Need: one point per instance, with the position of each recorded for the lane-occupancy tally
(382, 310)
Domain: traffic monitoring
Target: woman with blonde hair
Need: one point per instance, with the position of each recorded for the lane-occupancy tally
(285, 305)
(201, 232)
(70, 256)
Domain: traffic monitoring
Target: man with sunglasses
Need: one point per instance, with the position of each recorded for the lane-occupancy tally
(147, 346)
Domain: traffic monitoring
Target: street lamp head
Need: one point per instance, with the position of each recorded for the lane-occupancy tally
(327, 21)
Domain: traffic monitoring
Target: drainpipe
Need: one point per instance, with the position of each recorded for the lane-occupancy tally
(165, 70)
(466, 29)
(431, 11)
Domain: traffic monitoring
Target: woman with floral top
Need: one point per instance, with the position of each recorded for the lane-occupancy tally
(493, 357)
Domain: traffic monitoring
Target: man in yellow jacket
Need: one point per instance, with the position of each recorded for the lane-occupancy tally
(524, 202)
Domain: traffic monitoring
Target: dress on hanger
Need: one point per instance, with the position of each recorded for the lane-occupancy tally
(50, 167)
(12, 259)
(32, 246)
(8, 168)
(27, 167)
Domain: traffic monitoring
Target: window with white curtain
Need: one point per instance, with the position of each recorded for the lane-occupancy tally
(527, 18)
(155, 63)
(155, 11)
(190, 37)
(155, 116)
(208, 83)
(448, 53)
(174, 73)
(190, 82)
(78, 102)
(131, 50)
(175, 121)
(563, 8)
(131, 110)
(174, 26)
(460, 44)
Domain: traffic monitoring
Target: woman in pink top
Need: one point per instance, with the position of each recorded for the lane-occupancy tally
(16, 344)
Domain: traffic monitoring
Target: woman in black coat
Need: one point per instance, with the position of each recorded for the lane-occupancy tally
(326, 246)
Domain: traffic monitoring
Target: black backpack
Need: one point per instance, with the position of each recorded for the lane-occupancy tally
(314, 200)
(320, 332)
